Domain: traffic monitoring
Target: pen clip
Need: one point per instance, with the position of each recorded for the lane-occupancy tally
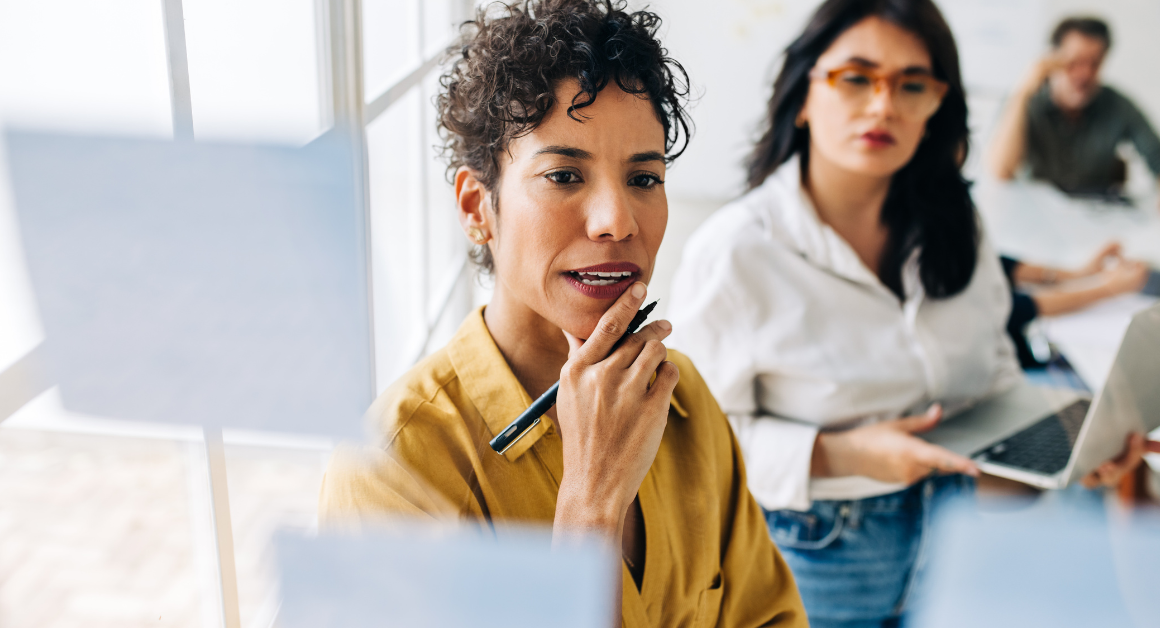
(517, 437)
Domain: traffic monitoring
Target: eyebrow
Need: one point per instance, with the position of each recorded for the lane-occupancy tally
(651, 155)
(581, 154)
(914, 69)
(564, 151)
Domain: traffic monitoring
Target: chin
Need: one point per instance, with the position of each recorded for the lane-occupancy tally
(882, 163)
(580, 325)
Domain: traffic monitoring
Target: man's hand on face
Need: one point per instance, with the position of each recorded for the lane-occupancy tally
(1040, 71)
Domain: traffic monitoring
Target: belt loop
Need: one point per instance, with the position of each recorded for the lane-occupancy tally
(853, 513)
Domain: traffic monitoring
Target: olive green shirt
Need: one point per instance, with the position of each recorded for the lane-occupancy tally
(1079, 154)
(709, 561)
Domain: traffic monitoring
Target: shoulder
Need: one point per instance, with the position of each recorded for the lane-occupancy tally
(752, 224)
(692, 393)
(1120, 104)
(1115, 96)
(423, 396)
(422, 444)
(739, 221)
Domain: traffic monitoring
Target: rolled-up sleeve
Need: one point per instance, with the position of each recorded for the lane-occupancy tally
(777, 453)
(714, 321)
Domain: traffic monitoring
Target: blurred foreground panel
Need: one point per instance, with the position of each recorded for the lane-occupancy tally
(197, 283)
(441, 577)
(1045, 565)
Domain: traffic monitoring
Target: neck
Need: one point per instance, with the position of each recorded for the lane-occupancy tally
(533, 347)
(851, 204)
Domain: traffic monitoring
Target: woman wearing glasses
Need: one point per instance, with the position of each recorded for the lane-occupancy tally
(849, 297)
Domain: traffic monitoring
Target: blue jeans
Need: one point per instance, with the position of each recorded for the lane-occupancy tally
(857, 563)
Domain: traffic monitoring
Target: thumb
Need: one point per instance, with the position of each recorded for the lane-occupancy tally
(574, 344)
(921, 422)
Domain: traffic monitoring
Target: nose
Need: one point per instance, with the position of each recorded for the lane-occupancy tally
(882, 100)
(1083, 74)
(611, 217)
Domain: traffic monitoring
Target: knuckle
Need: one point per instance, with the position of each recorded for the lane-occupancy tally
(610, 327)
(634, 342)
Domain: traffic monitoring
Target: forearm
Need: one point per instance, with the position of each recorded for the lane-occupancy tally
(833, 456)
(1010, 139)
(1055, 302)
(579, 515)
(1031, 274)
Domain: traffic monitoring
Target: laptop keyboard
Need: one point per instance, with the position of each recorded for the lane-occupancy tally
(1045, 446)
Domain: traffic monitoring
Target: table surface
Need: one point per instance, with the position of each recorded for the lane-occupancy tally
(1038, 224)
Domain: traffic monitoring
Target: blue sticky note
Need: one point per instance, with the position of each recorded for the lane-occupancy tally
(203, 284)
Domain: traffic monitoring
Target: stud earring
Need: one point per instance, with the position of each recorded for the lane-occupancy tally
(477, 236)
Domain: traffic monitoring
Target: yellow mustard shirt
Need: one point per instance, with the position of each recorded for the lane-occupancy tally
(709, 560)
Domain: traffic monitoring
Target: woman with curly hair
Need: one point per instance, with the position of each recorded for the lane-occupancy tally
(560, 117)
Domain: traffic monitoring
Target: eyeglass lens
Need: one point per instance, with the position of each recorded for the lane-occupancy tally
(913, 94)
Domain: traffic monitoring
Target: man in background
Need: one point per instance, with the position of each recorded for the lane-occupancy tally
(1065, 125)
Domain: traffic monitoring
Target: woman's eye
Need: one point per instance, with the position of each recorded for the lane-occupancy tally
(853, 78)
(563, 177)
(645, 181)
(914, 87)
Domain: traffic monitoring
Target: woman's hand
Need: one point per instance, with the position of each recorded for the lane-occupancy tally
(611, 420)
(1112, 252)
(1111, 472)
(888, 452)
(1127, 276)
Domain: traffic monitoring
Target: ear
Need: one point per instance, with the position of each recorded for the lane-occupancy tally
(474, 204)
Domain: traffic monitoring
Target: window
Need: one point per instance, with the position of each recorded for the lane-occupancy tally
(123, 508)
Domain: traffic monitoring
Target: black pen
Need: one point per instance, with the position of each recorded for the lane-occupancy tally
(531, 417)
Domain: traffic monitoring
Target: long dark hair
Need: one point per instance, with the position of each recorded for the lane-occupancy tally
(929, 203)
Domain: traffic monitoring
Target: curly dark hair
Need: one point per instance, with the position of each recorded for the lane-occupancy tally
(508, 61)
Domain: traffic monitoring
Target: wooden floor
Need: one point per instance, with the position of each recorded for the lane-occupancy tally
(100, 531)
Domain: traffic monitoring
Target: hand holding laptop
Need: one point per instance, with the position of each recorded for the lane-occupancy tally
(1051, 438)
(1113, 471)
(888, 451)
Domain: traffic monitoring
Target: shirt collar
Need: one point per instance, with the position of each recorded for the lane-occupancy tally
(492, 387)
(489, 382)
(800, 227)
(805, 231)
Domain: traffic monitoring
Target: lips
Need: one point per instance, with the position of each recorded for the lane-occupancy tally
(878, 138)
(603, 281)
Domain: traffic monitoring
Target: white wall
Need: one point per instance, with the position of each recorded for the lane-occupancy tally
(731, 49)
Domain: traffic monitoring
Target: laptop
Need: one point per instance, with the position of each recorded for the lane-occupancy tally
(1050, 438)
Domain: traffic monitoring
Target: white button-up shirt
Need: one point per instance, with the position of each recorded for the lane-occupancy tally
(793, 334)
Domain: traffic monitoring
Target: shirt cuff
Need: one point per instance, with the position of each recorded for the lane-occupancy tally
(777, 460)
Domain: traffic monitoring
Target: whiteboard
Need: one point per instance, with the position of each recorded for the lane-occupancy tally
(998, 40)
